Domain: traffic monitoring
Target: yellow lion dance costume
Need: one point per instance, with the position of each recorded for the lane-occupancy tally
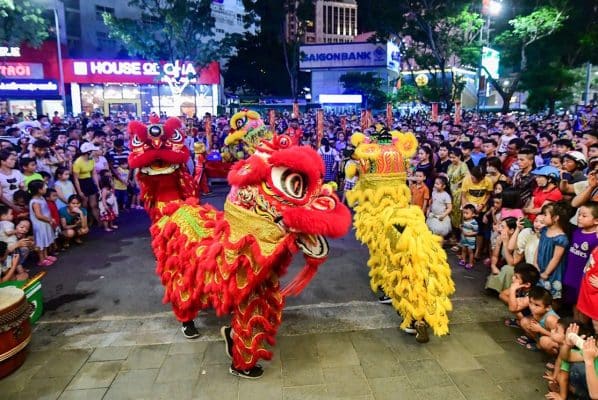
(406, 260)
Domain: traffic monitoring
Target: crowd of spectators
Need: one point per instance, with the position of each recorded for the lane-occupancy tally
(514, 194)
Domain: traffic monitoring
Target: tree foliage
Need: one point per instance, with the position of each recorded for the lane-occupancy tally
(368, 85)
(22, 22)
(171, 30)
(548, 86)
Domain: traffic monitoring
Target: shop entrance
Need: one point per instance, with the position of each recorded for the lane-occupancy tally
(112, 107)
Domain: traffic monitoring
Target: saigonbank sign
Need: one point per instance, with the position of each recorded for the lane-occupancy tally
(136, 71)
(343, 55)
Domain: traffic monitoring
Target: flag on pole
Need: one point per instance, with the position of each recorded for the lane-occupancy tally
(434, 112)
(295, 110)
(457, 112)
(208, 127)
(319, 126)
(389, 117)
(344, 123)
(363, 121)
(272, 119)
(399, 83)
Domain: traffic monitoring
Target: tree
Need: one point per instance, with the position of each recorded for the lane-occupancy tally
(438, 32)
(171, 30)
(22, 22)
(548, 85)
(282, 23)
(516, 41)
(406, 94)
(367, 84)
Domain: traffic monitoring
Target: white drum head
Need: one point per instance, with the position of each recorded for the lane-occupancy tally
(9, 296)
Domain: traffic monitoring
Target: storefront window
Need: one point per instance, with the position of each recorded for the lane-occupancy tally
(49, 106)
(113, 92)
(175, 102)
(130, 92)
(92, 98)
(150, 101)
(27, 107)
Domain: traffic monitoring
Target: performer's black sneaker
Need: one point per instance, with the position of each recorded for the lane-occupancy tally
(189, 330)
(253, 373)
(384, 299)
(421, 335)
(225, 332)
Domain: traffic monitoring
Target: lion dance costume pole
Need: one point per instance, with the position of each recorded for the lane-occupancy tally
(232, 260)
(406, 260)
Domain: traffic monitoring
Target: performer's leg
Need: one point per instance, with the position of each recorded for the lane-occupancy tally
(254, 323)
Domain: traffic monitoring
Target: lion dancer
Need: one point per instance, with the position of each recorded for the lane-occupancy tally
(406, 260)
(232, 260)
(159, 152)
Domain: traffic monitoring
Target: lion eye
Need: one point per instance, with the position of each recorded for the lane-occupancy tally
(136, 142)
(289, 182)
(176, 136)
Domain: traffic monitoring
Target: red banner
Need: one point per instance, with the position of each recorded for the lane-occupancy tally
(319, 126)
(389, 116)
(295, 110)
(434, 112)
(457, 112)
(362, 120)
(207, 120)
(344, 123)
(272, 119)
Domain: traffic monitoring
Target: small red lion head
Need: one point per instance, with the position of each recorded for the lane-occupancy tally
(157, 149)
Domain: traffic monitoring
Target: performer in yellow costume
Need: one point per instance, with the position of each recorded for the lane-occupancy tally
(406, 260)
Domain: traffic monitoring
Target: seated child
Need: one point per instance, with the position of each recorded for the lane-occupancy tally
(542, 328)
(23, 234)
(570, 375)
(10, 268)
(516, 297)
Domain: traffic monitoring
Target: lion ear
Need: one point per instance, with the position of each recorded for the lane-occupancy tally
(357, 138)
(406, 143)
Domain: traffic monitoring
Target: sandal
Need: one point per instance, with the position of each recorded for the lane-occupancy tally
(462, 263)
(114, 227)
(512, 323)
(52, 258)
(526, 342)
(550, 366)
(44, 263)
(107, 229)
(468, 266)
(487, 261)
(78, 241)
(455, 249)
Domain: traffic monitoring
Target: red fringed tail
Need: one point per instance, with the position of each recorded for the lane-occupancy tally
(302, 279)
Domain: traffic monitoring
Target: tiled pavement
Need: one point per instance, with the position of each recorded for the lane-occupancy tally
(331, 356)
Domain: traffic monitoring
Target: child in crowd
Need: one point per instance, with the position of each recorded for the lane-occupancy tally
(10, 269)
(41, 219)
(23, 231)
(108, 204)
(546, 191)
(21, 203)
(120, 184)
(469, 232)
(587, 302)
(28, 167)
(440, 208)
(550, 257)
(133, 193)
(420, 194)
(64, 187)
(576, 370)
(516, 297)
(8, 236)
(583, 242)
(542, 328)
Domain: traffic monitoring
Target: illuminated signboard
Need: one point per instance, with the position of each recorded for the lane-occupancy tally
(393, 57)
(133, 71)
(12, 70)
(343, 55)
(340, 99)
(490, 60)
(28, 88)
(10, 52)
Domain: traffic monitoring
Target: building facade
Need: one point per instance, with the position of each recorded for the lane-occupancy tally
(336, 21)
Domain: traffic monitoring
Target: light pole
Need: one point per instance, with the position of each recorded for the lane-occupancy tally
(490, 8)
(59, 51)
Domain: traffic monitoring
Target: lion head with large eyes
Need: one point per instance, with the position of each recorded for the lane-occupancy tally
(157, 149)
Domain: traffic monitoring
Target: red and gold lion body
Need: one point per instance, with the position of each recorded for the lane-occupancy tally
(232, 260)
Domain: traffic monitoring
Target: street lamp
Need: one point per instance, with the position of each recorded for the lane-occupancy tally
(490, 8)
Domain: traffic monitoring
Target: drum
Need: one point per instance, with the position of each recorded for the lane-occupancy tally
(15, 329)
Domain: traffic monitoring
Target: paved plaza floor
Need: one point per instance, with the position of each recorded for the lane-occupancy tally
(148, 358)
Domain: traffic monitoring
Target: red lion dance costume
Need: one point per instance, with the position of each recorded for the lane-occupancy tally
(232, 260)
